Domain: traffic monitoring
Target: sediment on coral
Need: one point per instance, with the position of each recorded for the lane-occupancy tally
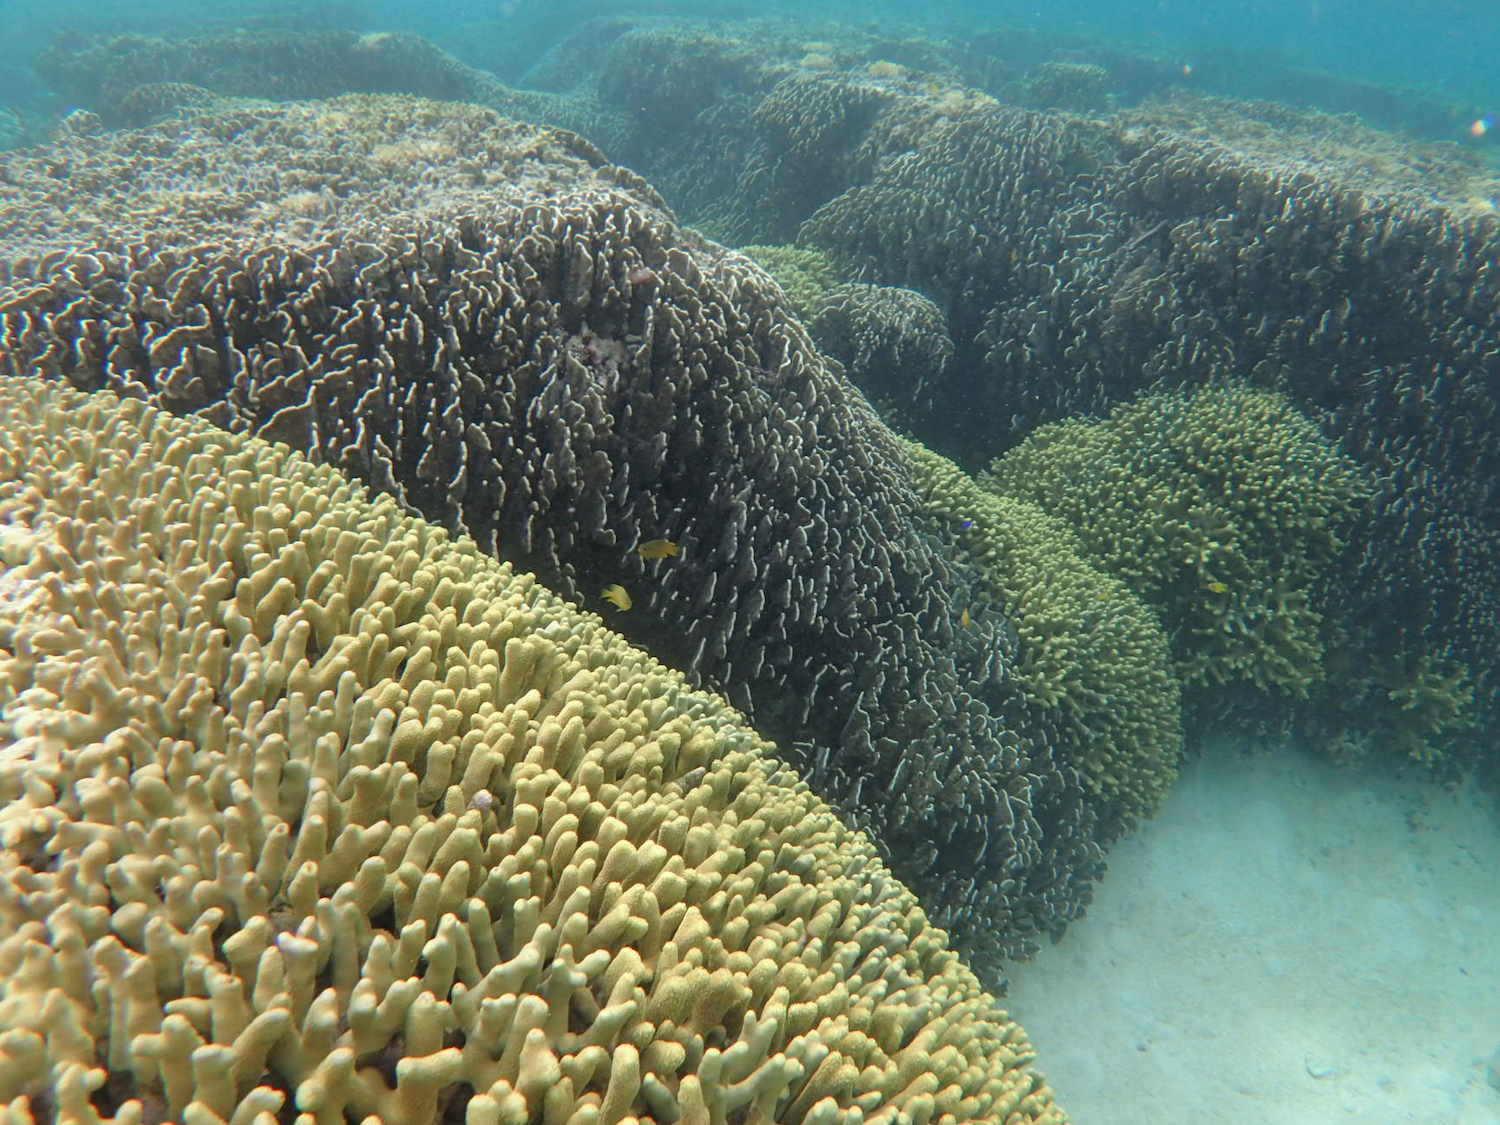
(307, 807)
(513, 337)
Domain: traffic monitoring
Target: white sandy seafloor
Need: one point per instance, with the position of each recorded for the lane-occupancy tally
(1288, 943)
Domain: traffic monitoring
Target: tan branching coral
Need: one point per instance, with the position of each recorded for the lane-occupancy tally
(309, 808)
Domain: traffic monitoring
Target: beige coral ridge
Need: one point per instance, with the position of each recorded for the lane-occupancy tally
(311, 811)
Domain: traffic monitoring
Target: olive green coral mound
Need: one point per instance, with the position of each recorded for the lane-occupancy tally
(308, 810)
(806, 276)
(1090, 648)
(1220, 507)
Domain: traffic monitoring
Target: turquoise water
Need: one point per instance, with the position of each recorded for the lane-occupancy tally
(1445, 47)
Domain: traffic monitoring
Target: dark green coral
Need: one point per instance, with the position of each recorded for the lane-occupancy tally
(1417, 706)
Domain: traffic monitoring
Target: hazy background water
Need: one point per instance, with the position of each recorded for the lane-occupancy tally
(1447, 48)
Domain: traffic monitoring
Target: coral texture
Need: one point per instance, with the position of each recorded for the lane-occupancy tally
(893, 342)
(1081, 262)
(133, 80)
(1080, 87)
(1221, 508)
(514, 338)
(1092, 647)
(114, 76)
(309, 808)
(805, 276)
(1172, 243)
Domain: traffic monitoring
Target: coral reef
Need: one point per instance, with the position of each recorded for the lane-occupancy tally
(670, 76)
(1179, 240)
(1221, 508)
(805, 276)
(1092, 647)
(309, 808)
(893, 342)
(514, 338)
(154, 100)
(1166, 241)
(1419, 705)
(134, 80)
(106, 75)
(1080, 87)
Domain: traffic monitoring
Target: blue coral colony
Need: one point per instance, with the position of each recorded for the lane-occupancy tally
(1020, 400)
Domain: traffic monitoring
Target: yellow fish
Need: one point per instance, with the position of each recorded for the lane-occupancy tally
(657, 549)
(1218, 588)
(964, 619)
(617, 595)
